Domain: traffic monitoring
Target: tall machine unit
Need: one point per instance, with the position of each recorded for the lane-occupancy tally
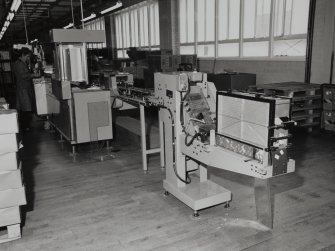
(235, 131)
(84, 112)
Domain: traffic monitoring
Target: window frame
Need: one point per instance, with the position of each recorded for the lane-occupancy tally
(271, 39)
(137, 7)
(92, 25)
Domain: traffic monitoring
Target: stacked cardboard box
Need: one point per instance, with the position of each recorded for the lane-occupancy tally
(12, 192)
(328, 114)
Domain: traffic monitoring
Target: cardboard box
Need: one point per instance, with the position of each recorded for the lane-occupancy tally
(8, 143)
(10, 179)
(9, 161)
(13, 197)
(8, 122)
(41, 91)
(10, 216)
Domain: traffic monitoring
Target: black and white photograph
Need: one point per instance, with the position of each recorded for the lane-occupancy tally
(167, 125)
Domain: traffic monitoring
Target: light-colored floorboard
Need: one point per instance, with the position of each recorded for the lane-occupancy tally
(112, 205)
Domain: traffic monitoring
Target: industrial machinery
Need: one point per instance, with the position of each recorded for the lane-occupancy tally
(239, 132)
(84, 111)
(235, 131)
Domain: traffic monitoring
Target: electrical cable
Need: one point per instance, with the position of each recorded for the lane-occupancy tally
(182, 104)
(24, 21)
(188, 180)
(72, 13)
(192, 139)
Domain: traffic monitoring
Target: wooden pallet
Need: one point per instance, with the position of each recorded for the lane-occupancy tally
(13, 233)
(293, 90)
(306, 100)
(298, 116)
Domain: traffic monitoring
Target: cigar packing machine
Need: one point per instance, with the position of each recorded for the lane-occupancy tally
(240, 132)
(84, 113)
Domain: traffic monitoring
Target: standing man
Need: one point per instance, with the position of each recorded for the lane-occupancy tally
(24, 88)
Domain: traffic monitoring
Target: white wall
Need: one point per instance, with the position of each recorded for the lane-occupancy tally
(323, 43)
(267, 71)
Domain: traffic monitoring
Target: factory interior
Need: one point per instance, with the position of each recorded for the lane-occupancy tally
(167, 125)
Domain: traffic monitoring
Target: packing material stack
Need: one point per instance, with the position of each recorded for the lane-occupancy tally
(12, 192)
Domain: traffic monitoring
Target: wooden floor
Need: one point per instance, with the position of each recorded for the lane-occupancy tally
(88, 204)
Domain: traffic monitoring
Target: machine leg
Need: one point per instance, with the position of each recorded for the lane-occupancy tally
(263, 201)
(61, 139)
(107, 144)
(203, 173)
(161, 142)
(143, 140)
(195, 213)
(74, 150)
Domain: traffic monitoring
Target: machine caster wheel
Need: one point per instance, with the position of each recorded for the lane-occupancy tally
(195, 213)
(166, 193)
(227, 205)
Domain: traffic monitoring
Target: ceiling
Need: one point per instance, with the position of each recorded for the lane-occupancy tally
(43, 15)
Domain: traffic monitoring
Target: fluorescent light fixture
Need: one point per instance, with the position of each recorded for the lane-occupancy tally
(15, 5)
(89, 17)
(7, 23)
(116, 6)
(10, 16)
(68, 26)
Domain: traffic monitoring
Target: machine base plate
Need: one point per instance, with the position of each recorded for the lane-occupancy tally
(199, 195)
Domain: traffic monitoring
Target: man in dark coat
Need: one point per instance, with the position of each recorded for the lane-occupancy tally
(24, 88)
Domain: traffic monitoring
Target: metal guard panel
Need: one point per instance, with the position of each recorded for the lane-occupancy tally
(245, 118)
(77, 36)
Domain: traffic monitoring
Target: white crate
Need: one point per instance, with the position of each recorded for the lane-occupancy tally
(10, 179)
(9, 161)
(10, 216)
(8, 122)
(8, 143)
(13, 197)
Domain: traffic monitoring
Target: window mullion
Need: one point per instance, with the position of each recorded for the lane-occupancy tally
(291, 17)
(149, 25)
(139, 27)
(255, 21)
(228, 18)
(271, 32)
(130, 30)
(284, 18)
(205, 21)
(216, 35)
(120, 30)
(241, 28)
(154, 24)
(196, 26)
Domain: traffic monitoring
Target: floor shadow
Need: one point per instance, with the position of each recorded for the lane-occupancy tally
(28, 156)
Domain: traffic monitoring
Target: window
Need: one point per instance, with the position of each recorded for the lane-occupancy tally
(228, 28)
(290, 26)
(137, 26)
(243, 28)
(96, 24)
(186, 26)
